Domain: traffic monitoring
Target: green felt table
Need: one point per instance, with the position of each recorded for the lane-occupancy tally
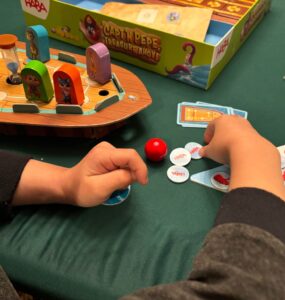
(105, 252)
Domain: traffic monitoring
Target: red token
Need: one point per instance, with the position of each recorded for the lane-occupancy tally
(155, 149)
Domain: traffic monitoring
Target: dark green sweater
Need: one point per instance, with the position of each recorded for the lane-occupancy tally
(242, 258)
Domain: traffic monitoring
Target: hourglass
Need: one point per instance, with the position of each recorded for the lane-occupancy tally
(9, 54)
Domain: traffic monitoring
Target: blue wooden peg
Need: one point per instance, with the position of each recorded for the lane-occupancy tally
(37, 45)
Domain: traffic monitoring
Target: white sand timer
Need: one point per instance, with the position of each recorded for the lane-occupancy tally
(10, 57)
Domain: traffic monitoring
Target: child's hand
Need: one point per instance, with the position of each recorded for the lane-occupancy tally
(253, 160)
(225, 133)
(102, 171)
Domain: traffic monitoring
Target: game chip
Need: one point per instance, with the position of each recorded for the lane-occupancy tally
(178, 174)
(282, 162)
(180, 157)
(118, 197)
(221, 181)
(193, 149)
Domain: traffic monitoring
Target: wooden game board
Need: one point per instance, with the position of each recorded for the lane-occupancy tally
(224, 10)
(132, 94)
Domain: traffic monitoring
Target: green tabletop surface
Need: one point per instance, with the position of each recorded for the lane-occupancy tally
(104, 252)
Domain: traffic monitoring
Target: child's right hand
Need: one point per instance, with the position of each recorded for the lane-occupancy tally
(254, 161)
(228, 132)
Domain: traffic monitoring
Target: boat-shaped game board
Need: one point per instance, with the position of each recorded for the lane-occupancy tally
(105, 105)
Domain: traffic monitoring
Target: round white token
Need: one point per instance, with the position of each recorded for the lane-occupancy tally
(221, 181)
(193, 149)
(178, 174)
(180, 157)
(282, 162)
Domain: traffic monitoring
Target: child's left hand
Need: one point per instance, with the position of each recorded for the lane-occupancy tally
(102, 171)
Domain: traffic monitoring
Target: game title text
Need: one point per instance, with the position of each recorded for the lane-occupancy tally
(134, 42)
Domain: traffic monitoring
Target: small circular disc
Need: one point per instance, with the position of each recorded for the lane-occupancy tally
(193, 149)
(178, 174)
(282, 162)
(180, 157)
(221, 181)
(118, 197)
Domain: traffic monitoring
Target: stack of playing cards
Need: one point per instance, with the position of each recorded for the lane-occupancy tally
(199, 114)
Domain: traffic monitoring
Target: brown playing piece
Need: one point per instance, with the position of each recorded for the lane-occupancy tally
(188, 22)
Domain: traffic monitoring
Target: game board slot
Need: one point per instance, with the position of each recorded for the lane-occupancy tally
(117, 83)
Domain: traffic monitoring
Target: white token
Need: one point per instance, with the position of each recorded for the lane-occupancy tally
(282, 162)
(178, 174)
(193, 149)
(180, 157)
(222, 182)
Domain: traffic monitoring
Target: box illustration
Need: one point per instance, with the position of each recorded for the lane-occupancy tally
(193, 62)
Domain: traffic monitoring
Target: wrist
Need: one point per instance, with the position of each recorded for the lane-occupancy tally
(41, 183)
(69, 187)
(252, 148)
(257, 163)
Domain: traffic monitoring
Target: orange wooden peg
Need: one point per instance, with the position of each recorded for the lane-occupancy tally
(68, 86)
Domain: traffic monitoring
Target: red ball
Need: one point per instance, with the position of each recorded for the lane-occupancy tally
(155, 149)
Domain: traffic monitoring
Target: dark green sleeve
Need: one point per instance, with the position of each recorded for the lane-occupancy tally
(11, 168)
(242, 258)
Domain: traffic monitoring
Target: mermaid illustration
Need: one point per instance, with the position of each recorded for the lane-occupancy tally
(188, 60)
(186, 72)
(90, 29)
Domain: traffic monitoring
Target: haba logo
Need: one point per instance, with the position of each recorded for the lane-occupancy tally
(36, 8)
(221, 49)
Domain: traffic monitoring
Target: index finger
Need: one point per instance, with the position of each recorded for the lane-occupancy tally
(209, 132)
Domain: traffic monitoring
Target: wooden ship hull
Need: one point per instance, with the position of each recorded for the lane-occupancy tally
(105, 108)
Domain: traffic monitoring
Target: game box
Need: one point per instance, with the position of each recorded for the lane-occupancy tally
(197, 63)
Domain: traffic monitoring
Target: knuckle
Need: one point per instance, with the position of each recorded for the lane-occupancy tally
(132, 152)
(103, 144)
